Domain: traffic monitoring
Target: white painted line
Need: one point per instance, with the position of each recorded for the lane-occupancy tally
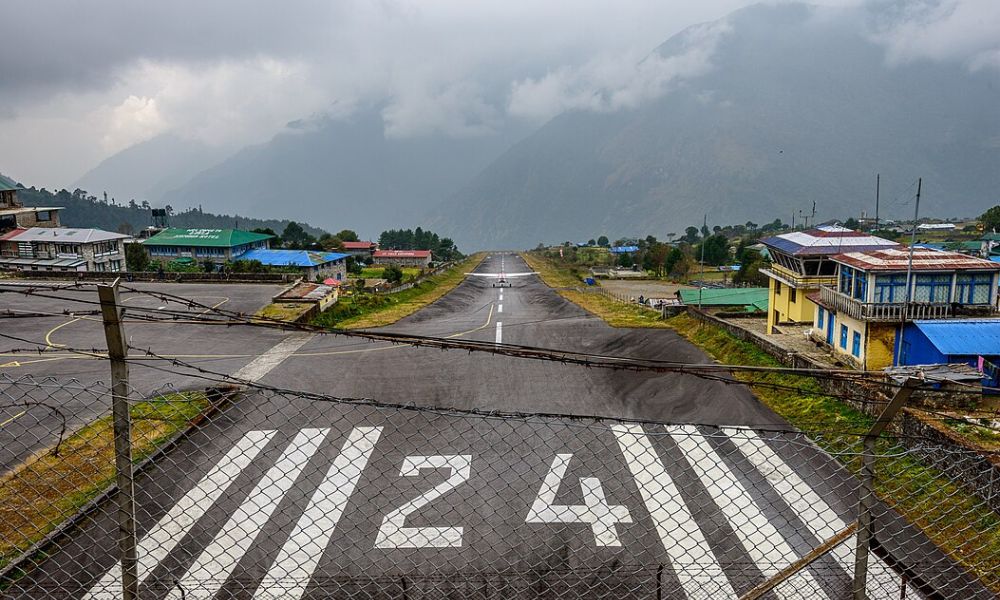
(499, 332)
(693, 561)
(216, 562)
(501, 296)
(760, 539)
(821, 520)
(263, 364)
(500, 308)
(291, 571)
(174, 525)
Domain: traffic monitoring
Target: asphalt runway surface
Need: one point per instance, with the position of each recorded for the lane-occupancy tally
(285, 495)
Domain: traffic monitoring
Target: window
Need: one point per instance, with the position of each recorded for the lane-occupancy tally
(777, 287)
(973, 288)
(43, 215)
(860, 285)
(843, 337)
(890, 288)
(932, 288)
(846, 279)
(792, 294)
(856, 345)
(820, 317)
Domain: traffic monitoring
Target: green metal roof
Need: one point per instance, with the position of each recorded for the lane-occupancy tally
(755, 297)
(7, 184)
(215, 238)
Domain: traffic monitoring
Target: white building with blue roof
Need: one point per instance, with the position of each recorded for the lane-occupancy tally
(314, 265)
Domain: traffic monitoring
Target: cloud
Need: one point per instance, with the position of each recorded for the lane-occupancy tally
(964, 31)
(615, 83)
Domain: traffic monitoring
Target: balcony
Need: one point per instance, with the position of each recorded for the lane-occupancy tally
(879, 311)
(798, 281)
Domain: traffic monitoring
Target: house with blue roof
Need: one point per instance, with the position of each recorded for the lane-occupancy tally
(975, 342)
(314, 265)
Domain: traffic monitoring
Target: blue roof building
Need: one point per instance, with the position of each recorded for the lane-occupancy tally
(314, 265)
(952, 341)
(624, 249)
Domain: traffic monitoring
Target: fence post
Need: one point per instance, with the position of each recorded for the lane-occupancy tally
(114, 333)
(866, 493)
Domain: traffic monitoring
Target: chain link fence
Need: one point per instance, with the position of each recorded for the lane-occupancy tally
(257, 493)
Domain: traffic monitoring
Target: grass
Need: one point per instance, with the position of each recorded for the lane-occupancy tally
(364, 311)
(284, 311)
(957, 521)
(567, 284)
(54, 484)
(376, 272)
(982, 435)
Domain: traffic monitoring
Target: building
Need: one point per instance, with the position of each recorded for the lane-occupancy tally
(14, 214)
(63, 249)
(859, 315)
(800, 264)
(403, 258)
(360, 250)
(313, 265)
(738, 299)
(975, 342)
(199, 245)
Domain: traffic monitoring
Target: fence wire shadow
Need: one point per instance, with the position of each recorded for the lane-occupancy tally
(265, 494)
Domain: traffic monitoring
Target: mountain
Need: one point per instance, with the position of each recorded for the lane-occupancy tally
(343, 173)
(147, 170)
(799, 105)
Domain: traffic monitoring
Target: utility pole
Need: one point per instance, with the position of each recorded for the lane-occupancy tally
(878, 178)
(813, 216)
(114, 333)
(909, 274)
(701, 284)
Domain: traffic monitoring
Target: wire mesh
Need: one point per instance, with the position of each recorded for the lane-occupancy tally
(257, 493)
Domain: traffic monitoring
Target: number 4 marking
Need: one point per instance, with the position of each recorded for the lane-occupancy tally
(392, 534)
(595, 510)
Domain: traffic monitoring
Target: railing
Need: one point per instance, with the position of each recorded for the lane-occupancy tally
(883, 311)
(799, 281)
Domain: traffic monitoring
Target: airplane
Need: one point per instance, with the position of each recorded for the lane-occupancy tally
(502, 277)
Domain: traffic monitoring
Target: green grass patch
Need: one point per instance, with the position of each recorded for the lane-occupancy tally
(362, 310)
(51, 486)
(284, 311)
(376, 272)
(983, 435)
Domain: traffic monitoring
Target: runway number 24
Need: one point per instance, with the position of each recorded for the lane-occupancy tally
(595, 511)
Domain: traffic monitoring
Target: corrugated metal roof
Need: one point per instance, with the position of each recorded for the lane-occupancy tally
(43, 262)
(7, 184)
(358, 245)
(963, 337)
(924, 259)
(291, 258)
(68, 235)
(727, 297)
(201, 238)
(624, 249)
(826, 239)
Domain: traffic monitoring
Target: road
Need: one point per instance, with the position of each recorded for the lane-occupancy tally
(287, 496)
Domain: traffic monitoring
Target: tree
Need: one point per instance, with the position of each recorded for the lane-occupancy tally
(625, 260)
(591, 242)
(851, 223)
(136, 258)
(294, 236)
(690, 235)
(991, 219)
(126, 228)
(354, 266)
(392, 274)
(603, 241)
(347, 235)
(716, 250)
(750, 265)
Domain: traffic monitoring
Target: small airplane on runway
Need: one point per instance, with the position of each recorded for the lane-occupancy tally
(502, 277)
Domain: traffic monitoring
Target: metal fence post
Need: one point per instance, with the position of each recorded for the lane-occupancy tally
(866, 494)
(117, 352)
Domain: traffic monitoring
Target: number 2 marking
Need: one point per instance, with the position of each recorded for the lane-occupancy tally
(392, 533)
(595, 510)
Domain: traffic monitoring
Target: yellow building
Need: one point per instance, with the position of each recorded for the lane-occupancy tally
(858, 316)
(800, 264)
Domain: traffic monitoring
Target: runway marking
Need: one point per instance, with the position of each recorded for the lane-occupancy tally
(501, 295)
(489, 318)
(499, 332)
(174, 525)
(694, 563)
(821, 520)
(216, 562)
(392, 533)
(12, 419)
(759, 537)
(500, 308)
(595, 510)
(263, 364)
(291, 571)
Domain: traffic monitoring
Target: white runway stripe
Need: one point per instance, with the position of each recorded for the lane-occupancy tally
(760, 539)
(216, 562)
(692, 559)
(500, 307)
(174, 525)
(822, 521)
(293, 568)
(499, 332)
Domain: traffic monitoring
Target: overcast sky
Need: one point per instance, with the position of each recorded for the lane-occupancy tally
(80, 81)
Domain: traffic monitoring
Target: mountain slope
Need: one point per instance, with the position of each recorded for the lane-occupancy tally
(342, 173)
(799, 106)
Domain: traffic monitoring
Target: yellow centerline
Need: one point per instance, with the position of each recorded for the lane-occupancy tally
(11, 420)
